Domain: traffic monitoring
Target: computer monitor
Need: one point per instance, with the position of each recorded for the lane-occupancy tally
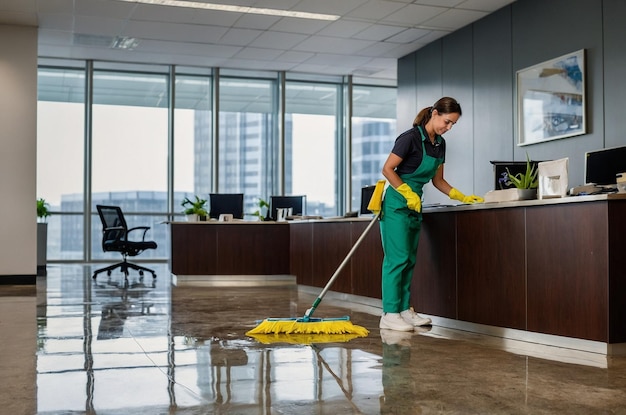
(296, 203)
(366, 195)
(226, 203)
(601, 166)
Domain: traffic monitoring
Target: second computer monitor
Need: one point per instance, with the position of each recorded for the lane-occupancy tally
(226, 203)
(296, 203)
(366, 195)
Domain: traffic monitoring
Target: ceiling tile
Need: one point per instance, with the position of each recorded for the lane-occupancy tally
(414, 14)
(257, 53)
(249, 21)
(455, 18)
(324, 44)
(378, 32)
(240, 37)
(408, 36)
(296, 57)
(484, 5)
(337, 7)
(344, 28)
(375, 10)
(277, 40)
(175, 32)
(295, 25)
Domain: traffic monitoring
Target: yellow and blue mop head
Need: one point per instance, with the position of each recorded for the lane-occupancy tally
(308, 325)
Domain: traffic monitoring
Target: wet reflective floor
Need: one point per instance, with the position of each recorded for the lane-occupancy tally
(152, 347)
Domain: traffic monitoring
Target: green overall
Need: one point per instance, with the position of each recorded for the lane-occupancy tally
(400, 231)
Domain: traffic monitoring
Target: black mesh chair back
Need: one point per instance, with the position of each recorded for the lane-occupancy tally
(116, 237)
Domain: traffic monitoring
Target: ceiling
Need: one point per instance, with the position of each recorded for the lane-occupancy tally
(366, 40)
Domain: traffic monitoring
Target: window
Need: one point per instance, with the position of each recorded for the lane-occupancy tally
(247, 149)
(193, 141)
(130, 152)
(311, 145)
(373, 135)
(123, 156)
(60, 157)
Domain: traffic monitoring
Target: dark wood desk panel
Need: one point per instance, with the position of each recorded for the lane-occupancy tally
(367, 260)
(192, 249)
(255, 248)
(617, 272)
(301, 252)
(491, 267)
(568, 270)
(331, 243)
(434, 280)
(229, 249)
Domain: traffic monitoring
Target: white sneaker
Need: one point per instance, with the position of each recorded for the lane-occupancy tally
(414, 319)
(393, 321)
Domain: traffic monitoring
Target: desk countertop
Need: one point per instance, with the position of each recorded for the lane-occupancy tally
(524, 203)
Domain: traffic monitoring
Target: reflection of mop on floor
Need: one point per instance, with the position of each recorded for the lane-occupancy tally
(346, 392)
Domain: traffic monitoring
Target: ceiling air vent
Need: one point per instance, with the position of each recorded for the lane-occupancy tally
(81, 39)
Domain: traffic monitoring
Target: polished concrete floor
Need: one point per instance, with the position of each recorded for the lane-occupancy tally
(72, 345)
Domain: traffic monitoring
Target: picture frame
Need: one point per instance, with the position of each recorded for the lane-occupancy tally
(551, 99)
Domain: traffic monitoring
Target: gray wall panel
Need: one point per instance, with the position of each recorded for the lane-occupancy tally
(494, 138)
(614, 72)
(407, 92)
(560, 27)
(518, 36)
(457, 83)
(429, 75)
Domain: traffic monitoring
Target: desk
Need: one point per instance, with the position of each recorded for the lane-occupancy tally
(309, 249)
(554, 266)
(229, 248)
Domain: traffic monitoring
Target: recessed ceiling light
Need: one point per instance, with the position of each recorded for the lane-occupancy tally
(236, 9)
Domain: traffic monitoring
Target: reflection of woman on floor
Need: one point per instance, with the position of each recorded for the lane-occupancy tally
(398, 383)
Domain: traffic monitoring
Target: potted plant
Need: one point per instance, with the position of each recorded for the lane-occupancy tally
(43, 211)
(525, 185)
(195, 209)
(262, 204)
(525, 181)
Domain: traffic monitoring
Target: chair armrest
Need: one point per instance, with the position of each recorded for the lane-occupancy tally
(144, 228)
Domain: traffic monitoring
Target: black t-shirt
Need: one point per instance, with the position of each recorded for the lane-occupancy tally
(408, 147)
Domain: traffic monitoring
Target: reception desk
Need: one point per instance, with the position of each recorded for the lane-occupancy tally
(311, 250)
(548, 266)
(551, 266)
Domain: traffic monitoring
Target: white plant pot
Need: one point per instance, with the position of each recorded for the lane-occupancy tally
(510, 195)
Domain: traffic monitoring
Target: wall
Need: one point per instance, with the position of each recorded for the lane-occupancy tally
(477, 65)
(18, 158)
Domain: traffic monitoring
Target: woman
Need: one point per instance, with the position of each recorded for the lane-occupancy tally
(416, 158)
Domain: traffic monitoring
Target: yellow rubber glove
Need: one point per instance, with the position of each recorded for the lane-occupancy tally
(413, 201)
(456, 195)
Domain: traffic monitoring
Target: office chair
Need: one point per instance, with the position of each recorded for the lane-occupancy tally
(115, 238)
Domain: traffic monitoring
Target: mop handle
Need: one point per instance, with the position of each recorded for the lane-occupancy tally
(330, 282)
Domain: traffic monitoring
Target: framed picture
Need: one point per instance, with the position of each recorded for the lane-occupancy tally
(551, 99)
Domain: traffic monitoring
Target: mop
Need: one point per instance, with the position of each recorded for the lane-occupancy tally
(338, 325)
